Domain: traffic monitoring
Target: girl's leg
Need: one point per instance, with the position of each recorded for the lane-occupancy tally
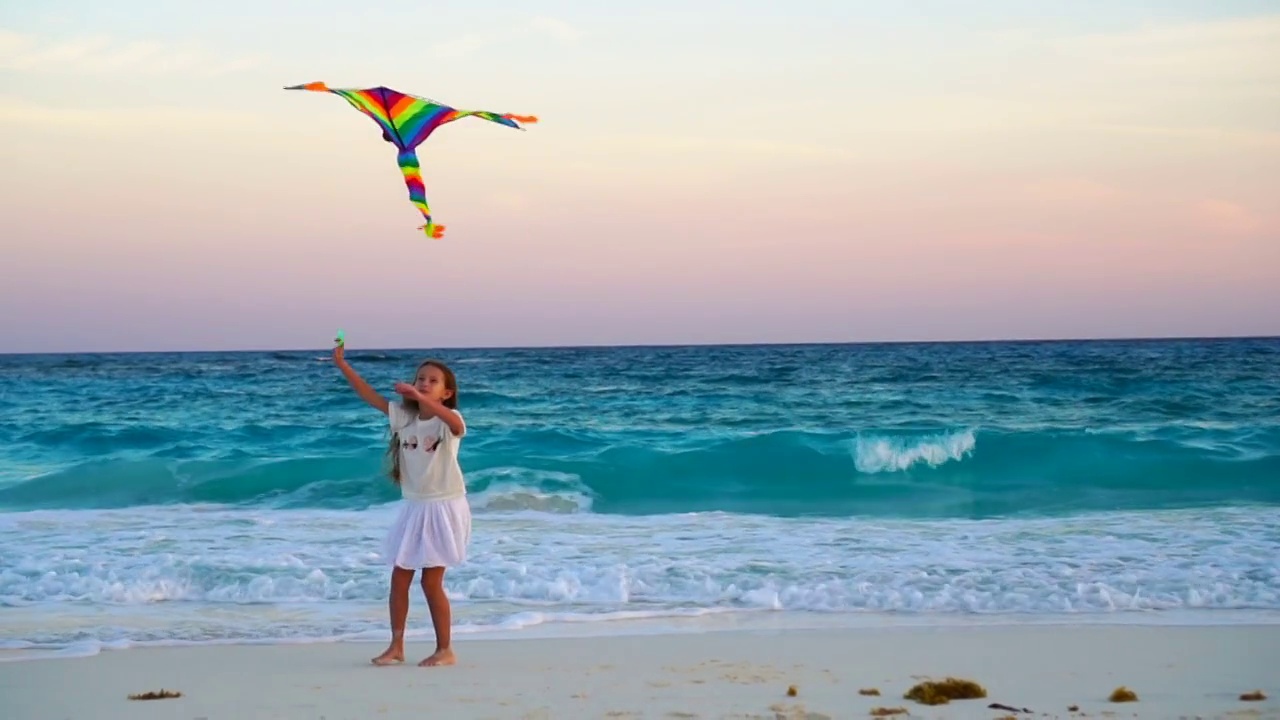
(441, 617)
(398, 606)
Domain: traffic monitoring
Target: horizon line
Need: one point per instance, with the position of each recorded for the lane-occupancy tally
(671, 345)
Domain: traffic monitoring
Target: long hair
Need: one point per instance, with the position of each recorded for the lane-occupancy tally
(410, 406)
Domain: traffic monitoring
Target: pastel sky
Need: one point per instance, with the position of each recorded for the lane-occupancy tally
(722, 171)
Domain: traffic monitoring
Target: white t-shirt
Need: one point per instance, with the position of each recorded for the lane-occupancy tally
(429, 467)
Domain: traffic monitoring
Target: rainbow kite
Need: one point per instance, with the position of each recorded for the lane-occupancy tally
(406, 121)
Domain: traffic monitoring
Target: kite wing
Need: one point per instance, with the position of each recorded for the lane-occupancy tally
(407, 121)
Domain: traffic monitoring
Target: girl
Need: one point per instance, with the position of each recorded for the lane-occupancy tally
(433, 528)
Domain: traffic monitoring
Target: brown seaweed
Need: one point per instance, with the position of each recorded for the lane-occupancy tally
(935, 692)
(1123, 694)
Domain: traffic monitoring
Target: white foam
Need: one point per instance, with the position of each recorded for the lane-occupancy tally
(874, 454)
(517, 489)
(209, 574)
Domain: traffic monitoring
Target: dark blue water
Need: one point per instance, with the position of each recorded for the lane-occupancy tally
(937, 430)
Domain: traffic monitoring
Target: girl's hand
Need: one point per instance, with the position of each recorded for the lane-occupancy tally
(408, 391)
(338, 357)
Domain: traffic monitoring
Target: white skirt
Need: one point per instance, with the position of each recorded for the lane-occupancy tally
(429, 533)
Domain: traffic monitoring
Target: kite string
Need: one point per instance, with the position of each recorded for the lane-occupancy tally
(409, 168)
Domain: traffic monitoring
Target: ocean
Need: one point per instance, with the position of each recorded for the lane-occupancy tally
(241, 497)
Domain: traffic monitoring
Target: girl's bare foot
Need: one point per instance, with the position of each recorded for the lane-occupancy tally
(439, 657)
(392, 656)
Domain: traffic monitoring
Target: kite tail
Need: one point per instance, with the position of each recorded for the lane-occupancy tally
(408, 161)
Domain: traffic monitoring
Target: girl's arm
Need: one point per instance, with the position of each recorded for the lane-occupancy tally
(362, 388)
(429, 408)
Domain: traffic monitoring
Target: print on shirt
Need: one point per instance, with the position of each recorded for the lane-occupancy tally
(411, 443)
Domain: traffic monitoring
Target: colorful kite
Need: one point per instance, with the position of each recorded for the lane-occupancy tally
(406, 121)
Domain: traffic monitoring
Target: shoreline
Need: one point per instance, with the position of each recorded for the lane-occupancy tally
(1176, 671)
(713, 621)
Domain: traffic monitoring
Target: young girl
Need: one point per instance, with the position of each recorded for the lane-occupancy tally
(433, 528)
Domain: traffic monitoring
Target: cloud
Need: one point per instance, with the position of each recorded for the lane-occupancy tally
(101, 54)
(1217, 217)
(1205, 62)
(645, 144)
(1224, 217)
(1254, 139)
(1221, 49)
(557, 30)
(1214, 83)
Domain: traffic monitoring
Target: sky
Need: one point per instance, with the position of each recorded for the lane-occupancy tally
(718, 172)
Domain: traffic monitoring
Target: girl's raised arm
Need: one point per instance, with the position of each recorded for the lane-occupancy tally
(362, 388)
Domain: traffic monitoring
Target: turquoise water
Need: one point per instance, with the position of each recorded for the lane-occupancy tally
(233, 496)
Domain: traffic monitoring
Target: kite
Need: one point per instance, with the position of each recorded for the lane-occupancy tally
(406, 121)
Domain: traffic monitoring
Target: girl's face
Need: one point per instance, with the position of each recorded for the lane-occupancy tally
(430, 382)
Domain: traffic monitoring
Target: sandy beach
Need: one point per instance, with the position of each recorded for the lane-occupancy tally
(1176, 671)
